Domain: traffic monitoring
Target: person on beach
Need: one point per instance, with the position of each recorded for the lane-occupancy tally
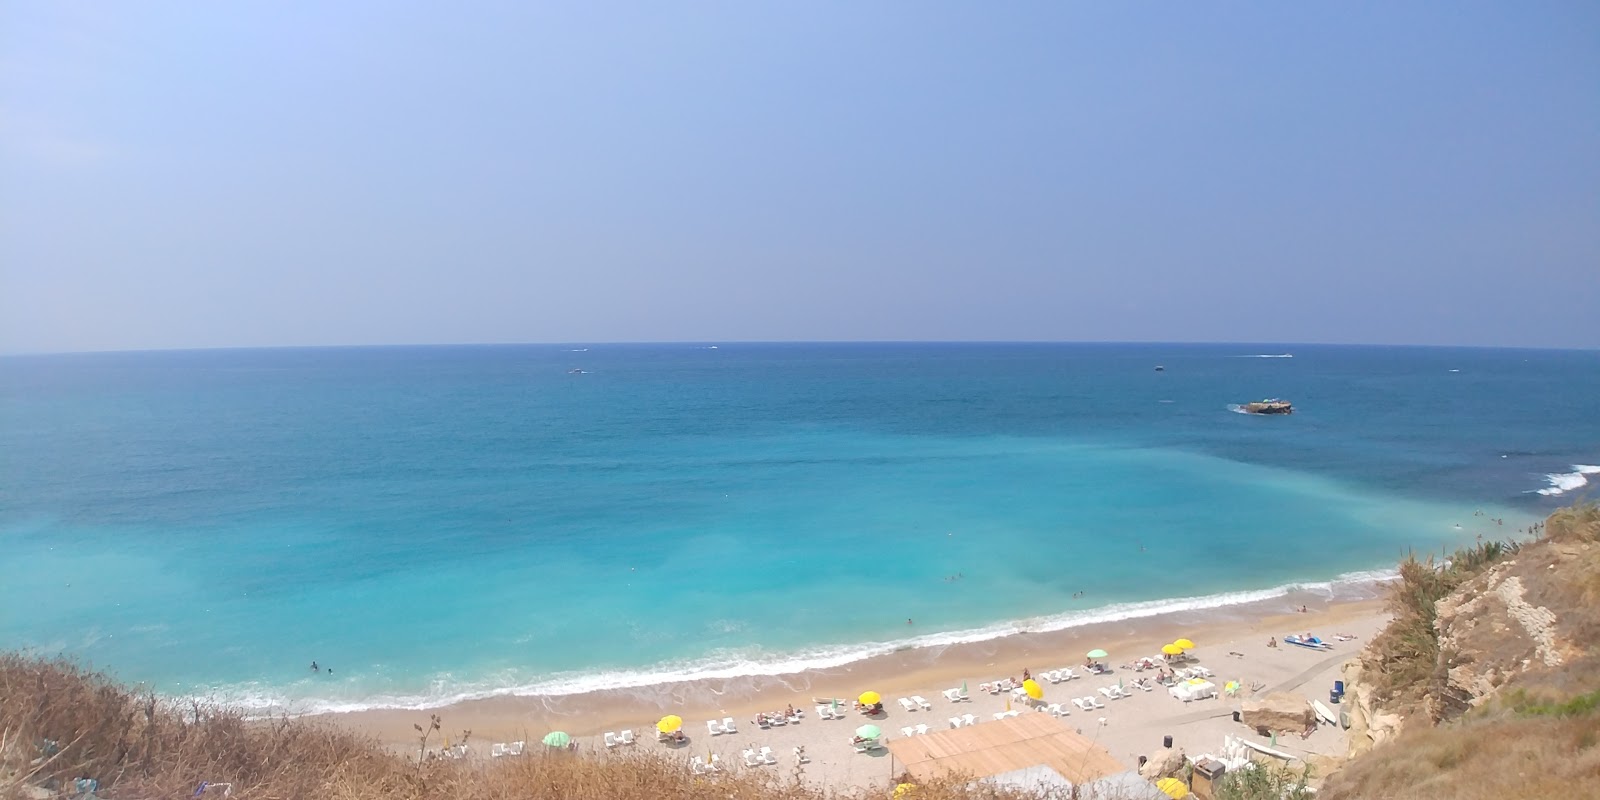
(1272, 642)
(1025, 675)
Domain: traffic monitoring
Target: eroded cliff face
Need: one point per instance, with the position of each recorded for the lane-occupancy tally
(1523, 621)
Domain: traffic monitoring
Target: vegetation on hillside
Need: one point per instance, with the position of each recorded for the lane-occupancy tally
(1538, 736)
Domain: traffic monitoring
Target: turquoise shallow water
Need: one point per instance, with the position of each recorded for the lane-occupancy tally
(436, 523)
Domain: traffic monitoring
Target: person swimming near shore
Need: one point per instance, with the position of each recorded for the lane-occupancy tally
(315, 668)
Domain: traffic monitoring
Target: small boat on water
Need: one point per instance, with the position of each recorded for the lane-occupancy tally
(1271, 405)
(1311, 642)
(1160, 368)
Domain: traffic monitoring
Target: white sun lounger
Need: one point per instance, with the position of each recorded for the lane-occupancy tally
(611, 740)
(698, 766)
(969, 719)
(922, 730)
(767, 756)
(728, 726)
(497, 750)
(955, 722)
(716, 762)
(953, 695)
(1078, 701)
(824, 712)
(905, 732)
(713, 727)
(922, 702)
(800, 756)
(751, 759)
(905, 703)
(626, 737)
(1093, 703)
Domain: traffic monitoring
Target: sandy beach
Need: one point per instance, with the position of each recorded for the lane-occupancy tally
(1231, 642)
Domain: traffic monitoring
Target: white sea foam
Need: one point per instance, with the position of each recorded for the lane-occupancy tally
(1563, 482)
(1267, 355)
(445, 690)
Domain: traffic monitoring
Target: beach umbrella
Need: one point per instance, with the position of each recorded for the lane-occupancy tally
(1171, 649)
(669, 723)
(868, 732)
(557, 739)
(1173, 788)
(1185, 644)
(1033, 689)
(870, 698)
(904, 790)
(1098, 653)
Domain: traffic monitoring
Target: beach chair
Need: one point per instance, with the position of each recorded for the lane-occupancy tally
(906, 732)
(969, 720)
(1078, 701)
(626, 737)
(1067, 674)
(955, 722)
(751, 759)
(862, 747)
(922, 702)
(824, 712)
(697, 765)
(1200, 672)
(922, 730)
(999, 715)
(800, 756)
(1093, 703)
(767, 756)
(1054, 709)
(728, 726)
(905, 703)
(713, 728)
(1107, 691)
(497, 750)
(953, 695)
(716, 762)
(611, 740)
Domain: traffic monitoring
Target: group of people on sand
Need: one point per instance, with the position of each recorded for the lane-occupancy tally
(765, 718)
(869, 708)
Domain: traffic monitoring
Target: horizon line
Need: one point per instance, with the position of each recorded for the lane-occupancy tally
(768, 342)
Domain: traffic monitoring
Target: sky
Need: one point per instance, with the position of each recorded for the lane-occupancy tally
(177, 175)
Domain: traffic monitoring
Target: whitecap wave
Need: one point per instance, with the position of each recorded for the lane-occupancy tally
(1266, 355)
(444, 689)
(1563, 482)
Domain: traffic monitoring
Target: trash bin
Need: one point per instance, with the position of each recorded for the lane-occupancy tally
(1237, 717)
(1333, 696)
(1166, 741)
(1338, 687)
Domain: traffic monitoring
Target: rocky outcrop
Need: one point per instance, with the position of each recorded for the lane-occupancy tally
(1279, 712)
(1369, 724)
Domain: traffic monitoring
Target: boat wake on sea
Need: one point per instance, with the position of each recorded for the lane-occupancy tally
(446, 689)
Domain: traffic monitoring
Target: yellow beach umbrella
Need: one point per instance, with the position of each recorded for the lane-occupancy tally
(1171, 649)
(905, 790)
(1185, 644)
(1033, 689)
(669, 723)
(870, 698)
(1173, 788)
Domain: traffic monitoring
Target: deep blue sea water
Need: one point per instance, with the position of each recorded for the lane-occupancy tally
(441, 522)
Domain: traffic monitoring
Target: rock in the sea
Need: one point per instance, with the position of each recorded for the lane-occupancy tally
(1279, 712)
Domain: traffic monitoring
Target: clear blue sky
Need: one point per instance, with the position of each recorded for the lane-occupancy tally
(237, 174)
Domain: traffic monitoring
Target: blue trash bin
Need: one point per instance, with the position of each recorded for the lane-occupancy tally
(1338, 687)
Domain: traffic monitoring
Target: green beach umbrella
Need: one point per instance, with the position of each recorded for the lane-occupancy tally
(557, 739)
(868, 732)
(1098, 653)
(963, 687)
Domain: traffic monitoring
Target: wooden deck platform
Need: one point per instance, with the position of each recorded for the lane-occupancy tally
(999, 746)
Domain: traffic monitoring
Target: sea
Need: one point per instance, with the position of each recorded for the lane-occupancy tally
(434, 524)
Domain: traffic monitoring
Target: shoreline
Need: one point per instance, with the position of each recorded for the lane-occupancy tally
(922, 670)
(1344, 587)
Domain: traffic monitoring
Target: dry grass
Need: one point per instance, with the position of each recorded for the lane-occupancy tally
(1478, 759)
(59, 722)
